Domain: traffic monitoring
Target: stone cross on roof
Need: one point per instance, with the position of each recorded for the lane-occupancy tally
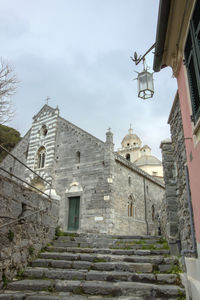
(47, 99)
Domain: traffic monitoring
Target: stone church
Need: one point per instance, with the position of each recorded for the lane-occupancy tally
(100, 191)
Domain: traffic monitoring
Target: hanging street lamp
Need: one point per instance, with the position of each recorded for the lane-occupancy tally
(145, 78)
(145, 84)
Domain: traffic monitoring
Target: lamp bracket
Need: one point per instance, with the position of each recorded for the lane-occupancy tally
(137, 59)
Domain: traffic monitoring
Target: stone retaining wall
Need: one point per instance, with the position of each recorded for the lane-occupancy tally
(21, 241)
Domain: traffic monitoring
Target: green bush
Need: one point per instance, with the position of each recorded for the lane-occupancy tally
(9, 137)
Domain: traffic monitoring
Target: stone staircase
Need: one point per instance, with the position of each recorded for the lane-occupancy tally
(88, 266)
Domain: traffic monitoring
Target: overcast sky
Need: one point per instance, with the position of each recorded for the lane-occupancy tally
(77, 52)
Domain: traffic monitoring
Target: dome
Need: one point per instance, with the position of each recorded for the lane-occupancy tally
(131, 140)
(147, 160)
(145, 147)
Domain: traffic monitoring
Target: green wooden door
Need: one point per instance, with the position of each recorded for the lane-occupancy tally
(73, 217)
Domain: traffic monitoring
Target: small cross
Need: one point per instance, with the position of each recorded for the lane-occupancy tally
(109, 129)
(130, 126)
(47, 99)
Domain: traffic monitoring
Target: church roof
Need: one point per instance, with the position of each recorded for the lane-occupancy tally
(147, 160)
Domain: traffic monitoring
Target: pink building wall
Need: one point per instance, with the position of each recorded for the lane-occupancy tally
(192, 150)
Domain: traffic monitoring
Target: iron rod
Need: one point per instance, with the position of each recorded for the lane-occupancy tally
(24, 164)
(24, 181)
(16, 220)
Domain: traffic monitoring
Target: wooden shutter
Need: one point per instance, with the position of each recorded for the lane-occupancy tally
(192, 58)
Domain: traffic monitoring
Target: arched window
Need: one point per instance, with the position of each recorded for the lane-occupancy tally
(41, 155)
(128, 157)
(153, 212)
(129, 180)
(78, 157)
(131, 210)
(131, 206)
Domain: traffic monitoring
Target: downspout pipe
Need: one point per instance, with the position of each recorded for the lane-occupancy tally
(163, 16)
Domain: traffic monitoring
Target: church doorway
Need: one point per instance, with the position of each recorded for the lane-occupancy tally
(73, 216)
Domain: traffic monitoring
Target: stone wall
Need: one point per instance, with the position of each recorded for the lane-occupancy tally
(84, 176)
(21, 241)
(178, 142)
(12, 165)
(169, 217)
(134, 187)
(177, 220)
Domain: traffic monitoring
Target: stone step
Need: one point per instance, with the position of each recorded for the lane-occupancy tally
(102, 266)
(107, 251)
(126, 245)
(135, 237)
(114, 289)
(65, 296)
(112, 276)
(109, 239)
(96, 258)
(87, 265)
(71, 244)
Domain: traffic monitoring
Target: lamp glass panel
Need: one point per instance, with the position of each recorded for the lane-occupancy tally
(149, 77)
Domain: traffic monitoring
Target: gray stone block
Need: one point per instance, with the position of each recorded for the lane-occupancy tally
(33, 285)
(67, 286)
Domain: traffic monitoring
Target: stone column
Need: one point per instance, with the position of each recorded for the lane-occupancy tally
(169, 222)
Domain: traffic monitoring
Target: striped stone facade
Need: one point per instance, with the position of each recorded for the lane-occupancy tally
(47, 117)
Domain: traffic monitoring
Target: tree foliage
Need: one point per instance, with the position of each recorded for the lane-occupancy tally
(9, 137)
(8, 85)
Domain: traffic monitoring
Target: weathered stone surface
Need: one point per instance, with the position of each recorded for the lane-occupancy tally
(167, 278)
(67, 286)
(33, 285)
(22, 240)
(176, 218)
(115, 278)
(81, 264)
(165, 268)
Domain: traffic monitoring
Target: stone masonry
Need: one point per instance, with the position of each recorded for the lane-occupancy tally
(176, 199)
(96, 267)
(22, 240)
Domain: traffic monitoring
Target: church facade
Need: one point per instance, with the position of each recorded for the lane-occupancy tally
(99, 190)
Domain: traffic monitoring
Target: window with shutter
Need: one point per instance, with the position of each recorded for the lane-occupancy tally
(192, 59)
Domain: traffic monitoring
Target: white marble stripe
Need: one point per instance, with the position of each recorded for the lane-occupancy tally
(45, 120)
